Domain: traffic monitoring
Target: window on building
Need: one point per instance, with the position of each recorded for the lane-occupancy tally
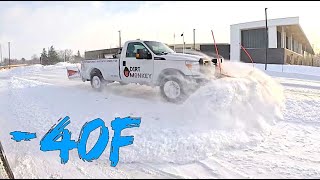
(293, 45)
(278, 39)
(287, 42)
(253, 38)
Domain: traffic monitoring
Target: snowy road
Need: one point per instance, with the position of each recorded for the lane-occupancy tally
(232, 128)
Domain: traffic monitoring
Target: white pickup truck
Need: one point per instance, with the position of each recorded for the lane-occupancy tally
(150, 63)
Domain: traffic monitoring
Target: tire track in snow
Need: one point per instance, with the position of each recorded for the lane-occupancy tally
(23, 113)
(222, 167)
(145, 167)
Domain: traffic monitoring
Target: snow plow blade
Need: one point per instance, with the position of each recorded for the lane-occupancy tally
(73, 72)
(5, 170)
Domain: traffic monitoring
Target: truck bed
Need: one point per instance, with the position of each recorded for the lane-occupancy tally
(109, 68)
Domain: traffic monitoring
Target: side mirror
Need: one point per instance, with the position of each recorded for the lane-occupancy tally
(215, 61)
(143, 54)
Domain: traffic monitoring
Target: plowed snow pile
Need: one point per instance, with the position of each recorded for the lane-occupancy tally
(228, 113)
(250, 100)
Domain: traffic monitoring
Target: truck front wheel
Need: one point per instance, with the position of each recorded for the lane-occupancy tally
(97, 82)
(173, 89)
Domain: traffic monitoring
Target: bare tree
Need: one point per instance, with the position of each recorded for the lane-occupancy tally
(34, 57)
(69, 57)
(61, 55)
(34, 60)
(65, 55)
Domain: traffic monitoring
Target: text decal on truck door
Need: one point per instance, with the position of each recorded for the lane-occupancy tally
(126, 72)
(134, 72)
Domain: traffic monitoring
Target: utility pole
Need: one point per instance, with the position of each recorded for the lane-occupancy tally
(267, 39)
(119, 39)
(194, 39)
(9, 53)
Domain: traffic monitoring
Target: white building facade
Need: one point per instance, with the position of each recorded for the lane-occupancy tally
(287, 43)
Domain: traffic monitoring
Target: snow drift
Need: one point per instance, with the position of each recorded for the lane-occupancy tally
(248, 100)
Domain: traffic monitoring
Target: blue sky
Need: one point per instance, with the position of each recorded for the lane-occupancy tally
(31, 26)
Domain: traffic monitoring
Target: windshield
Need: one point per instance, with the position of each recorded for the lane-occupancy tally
(158, 48)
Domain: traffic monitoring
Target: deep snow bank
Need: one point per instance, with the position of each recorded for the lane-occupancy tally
(249, 100)
(228, 113)
(36, 68)
(62, 65)
(22, 70)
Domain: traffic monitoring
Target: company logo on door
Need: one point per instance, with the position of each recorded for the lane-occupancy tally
(126, 72)
(134, 72)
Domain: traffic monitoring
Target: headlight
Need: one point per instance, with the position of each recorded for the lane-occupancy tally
(189, 64)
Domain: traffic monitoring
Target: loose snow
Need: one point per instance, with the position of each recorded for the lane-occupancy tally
(255, 124)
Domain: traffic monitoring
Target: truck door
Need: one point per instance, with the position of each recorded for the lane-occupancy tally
(136, 70)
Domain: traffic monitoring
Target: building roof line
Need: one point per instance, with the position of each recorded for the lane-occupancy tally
(269, 20)
(305, 36)
(201, 44)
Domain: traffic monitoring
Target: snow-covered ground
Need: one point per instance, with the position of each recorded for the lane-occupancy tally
(251, 125)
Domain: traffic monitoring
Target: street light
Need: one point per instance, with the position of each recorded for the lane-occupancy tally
(183, 42)
(174, 41)
(267, 39)
(9, 53)
(119, 39)
(194, 39)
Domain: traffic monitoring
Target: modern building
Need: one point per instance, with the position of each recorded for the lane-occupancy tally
(287, 43)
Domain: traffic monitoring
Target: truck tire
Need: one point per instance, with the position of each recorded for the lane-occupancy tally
(173, 89)
(97, 81)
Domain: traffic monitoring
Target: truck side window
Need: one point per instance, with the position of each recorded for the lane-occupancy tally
(133, 47)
